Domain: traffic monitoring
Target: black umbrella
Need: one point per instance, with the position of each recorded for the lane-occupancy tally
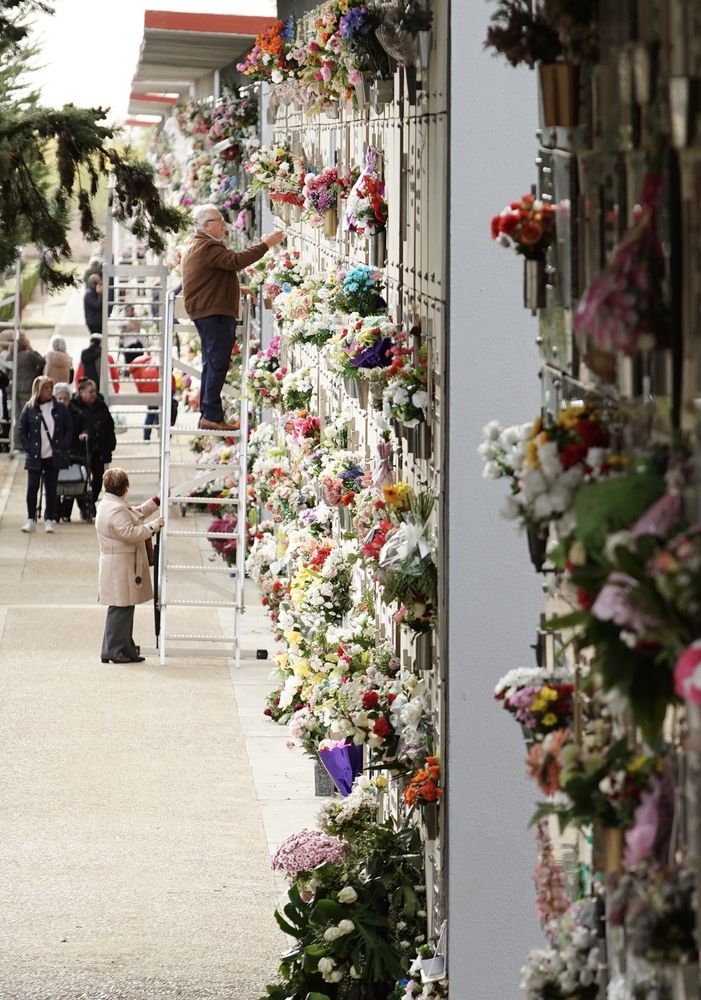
(156, 600)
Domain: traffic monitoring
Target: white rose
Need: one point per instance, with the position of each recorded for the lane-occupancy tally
(487, 451)
(332, 934)
(334, 977)
(510, 508)
(420, 400)
(543, 507)
(353, 972)
(549, 458)
(345, 927)
(326, 965)
(533, 483)
(510, 436)
(491, 431)
(491, 471)
(347, 894)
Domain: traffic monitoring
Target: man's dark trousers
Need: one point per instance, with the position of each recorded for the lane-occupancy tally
(217, 336)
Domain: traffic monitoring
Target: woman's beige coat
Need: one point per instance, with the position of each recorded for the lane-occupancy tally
(121, 533)
(58, 366)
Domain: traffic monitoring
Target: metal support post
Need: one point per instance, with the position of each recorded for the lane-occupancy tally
(242, 524)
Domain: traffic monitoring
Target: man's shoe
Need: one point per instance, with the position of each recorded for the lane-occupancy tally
(215, 425)
(49, 527)
(29, 526)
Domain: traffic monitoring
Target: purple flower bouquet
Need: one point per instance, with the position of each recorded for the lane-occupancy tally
(343, 762)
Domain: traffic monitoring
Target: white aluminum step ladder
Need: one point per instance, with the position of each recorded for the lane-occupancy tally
(187, 579)
(8, 364)
(143, 286)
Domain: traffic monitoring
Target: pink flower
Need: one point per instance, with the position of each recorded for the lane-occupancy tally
(325, 72)
(354, 76)
(648, 838)
(687, 674)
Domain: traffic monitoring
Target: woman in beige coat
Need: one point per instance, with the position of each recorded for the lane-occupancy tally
(123, 576)
(58, 364)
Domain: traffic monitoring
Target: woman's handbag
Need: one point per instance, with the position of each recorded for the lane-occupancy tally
(148, 542)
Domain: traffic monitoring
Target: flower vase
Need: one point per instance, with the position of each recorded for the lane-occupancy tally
(559, 83)
(376, 394)
(361, 391)
(613, 850)
(344, 518)
(362, 91)
(424, 650)
(330, 222)
(410, 84)
(296, 213)
(382, 93)
(425, 39)
(420, 443)
(537, 535)
(323, 785)
(377, 248)
(268, 301)
(534, 284)
(430, 820)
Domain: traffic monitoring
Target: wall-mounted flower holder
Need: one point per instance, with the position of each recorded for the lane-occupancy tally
(534, 297)
(424, 650)
(344, 518)
(323, 785)
(295, 213)
(267, 301)
(377, 249)
(432, 969)
(607, 849)
(330, 223)
(362, 91)
(537, 535)
(429, 813)
(559, 83)
(420, 441)
(425, 40)
(382, 93)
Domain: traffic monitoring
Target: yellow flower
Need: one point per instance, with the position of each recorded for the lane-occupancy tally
(380, 781)
(569, 417)
(302, 669)
(318, 678)
(550, 694)
(577, 554)
(531, 459)
(538, 704)
(294, 638)
(637, 763)
(549, 719)
(398, 495)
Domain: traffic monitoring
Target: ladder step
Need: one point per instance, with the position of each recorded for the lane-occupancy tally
(203, 534)
(196, 651)
(232, 501)
(144, 472)
(209, 465)
(183, 568)
(184, 637)
(199, 604)
(200, 432)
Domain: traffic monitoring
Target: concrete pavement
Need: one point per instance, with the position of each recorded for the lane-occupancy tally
(138, 804)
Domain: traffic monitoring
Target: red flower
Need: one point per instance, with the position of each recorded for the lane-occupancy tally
(370, 699)
(593, 435)
(382, 727)
(584, 599)
(573, 454)
(390, 698)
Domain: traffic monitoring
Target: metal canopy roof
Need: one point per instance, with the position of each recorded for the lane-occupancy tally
(180, 48)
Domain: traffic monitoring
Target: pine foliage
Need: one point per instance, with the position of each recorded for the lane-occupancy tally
(33, 207)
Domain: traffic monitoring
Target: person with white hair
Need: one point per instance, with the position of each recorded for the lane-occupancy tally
(212, 298)
(58, 364)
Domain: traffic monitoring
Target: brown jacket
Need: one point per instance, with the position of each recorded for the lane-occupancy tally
(210, 282)
(58, 366)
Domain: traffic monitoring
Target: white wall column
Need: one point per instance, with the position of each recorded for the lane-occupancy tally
(494, 596)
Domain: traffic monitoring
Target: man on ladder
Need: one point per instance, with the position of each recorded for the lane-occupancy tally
(212, 296)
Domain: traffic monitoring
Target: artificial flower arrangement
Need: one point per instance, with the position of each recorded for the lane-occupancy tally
(265, 375)
(297, 390)
(354, 910)
(273, 169)
(341, 474)
(321, 193)
(320, 589)
(359, 291)
(366, 207)
(544, 32)
(315, 330)
(267, 60)
(357, 33)
(225, 547)
(405, 395)
(301, 302)
(363, 346)
(406, 564)
(424, 784)
(547, 465)
(539, 700)
(624, 308)
(526, 226)
(283, 272)
(568, 968)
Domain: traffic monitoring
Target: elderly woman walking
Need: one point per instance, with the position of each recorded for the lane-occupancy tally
(58, 364)
(45, 434)
(123, 577)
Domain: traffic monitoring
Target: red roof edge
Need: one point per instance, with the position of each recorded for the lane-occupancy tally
(217, 24)
(155, 98)
(137, 122)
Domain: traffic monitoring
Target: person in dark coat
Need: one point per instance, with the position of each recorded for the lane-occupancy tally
(92, 304)
(91, 364)
(45, 433)
(93, 429)
(94, 267)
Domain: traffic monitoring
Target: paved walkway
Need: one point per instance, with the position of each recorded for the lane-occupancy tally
(138, 804)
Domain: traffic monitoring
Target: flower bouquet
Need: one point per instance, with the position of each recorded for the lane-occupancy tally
(624, 308)
(359, 291)
(424, 785)
(315, 330)
(568, 969)
(225, 547)
(405, 395)
(343, 762)
(321, 193)
(366, 208)
(297, 390)
(267, 60)
(265, 375)
(539, 700)
(363, 347)
(407, 566)
(298, 302)
(273, 169)
(526, 226)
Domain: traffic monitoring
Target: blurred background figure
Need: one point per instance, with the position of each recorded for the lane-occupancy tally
(45, 433)
(92, 304)
(93, 435)
(58, 364)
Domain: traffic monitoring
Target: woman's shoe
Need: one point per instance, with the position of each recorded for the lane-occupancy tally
(116, 659)
(137, 659)
(29, 526)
